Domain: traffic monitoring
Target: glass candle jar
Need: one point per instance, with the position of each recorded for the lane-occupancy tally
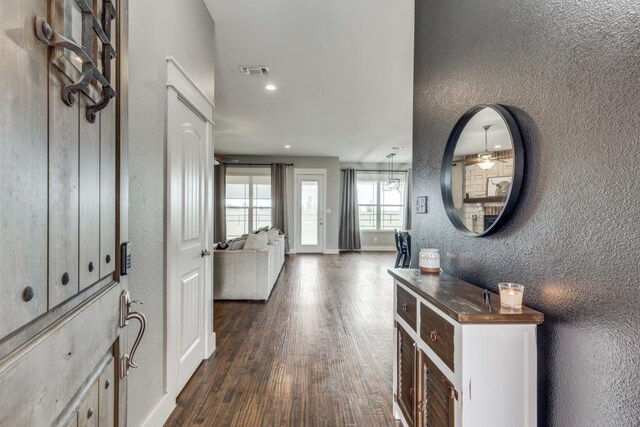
(511, 295)
(430, 260)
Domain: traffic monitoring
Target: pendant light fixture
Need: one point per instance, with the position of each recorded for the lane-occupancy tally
(486, 158)
(391, 183)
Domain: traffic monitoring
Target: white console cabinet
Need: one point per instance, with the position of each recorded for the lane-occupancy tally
(460, 361)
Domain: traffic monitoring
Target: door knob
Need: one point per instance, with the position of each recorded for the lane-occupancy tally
(205, 253)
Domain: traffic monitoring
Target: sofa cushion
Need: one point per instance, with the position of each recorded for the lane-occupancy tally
(265, 228)
(271, 234)
(237, 244)
(257, 241)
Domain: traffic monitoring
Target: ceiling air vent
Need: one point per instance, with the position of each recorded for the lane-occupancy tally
(257, 70)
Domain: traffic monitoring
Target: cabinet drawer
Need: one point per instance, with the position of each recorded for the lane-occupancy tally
(406, 306)
(438, 334)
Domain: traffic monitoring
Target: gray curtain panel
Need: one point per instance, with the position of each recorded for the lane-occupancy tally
(279, 200)
(349, 238)
(220, 221)
(408, 205)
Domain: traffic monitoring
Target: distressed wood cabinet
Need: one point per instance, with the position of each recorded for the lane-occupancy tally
(460, 362)
(63, 192)
(406, 374)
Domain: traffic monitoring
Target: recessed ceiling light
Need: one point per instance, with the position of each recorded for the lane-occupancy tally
(497, 146)
(270, 87)
(287, 146)
(397, 148)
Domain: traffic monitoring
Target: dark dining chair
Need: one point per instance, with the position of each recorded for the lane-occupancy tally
(398, 249)
(403, 246)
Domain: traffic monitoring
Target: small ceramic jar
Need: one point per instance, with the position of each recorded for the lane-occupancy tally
(430, 260)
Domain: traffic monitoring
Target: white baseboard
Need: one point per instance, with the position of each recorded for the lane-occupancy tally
(331, 252)
(161, 412)
(325, 252)
(211, 344)
(378, 248)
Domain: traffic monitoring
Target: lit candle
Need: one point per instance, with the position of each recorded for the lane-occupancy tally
(511, 295)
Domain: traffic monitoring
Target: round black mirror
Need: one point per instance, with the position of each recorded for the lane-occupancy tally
(482, 170)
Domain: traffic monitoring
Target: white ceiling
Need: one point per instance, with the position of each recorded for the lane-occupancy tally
(471, 139)
(343, 69)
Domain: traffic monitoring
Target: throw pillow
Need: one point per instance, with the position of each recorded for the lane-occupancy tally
(271, 235)
(277, 230)
(257, 241)
(237, 244)
(265, 228)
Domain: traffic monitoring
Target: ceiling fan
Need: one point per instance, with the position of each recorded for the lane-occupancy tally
(487, 159)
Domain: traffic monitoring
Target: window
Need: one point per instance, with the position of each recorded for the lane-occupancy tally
(248, 201)
(379, 209)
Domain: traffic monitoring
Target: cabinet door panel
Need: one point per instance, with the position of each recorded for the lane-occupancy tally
(23, 165)
(107, 190)
(406, 375)
(436, 404)
(89, 198)
(88, 411)
(63, 193)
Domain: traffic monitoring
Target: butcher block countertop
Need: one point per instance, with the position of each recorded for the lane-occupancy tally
(462, 301)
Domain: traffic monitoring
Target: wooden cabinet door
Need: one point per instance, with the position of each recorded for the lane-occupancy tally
(406, 384)
(436, 396)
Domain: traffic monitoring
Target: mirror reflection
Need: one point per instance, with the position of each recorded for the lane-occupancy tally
(482, 170)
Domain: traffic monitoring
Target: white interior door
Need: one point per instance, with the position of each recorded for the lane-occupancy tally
(310, 213)
(192, 252)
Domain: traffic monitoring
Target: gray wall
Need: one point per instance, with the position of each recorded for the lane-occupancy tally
(570, 73)
(158, 28)
(332, 165)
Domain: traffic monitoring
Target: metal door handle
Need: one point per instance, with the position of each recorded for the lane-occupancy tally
(205, 253)
(125, 315)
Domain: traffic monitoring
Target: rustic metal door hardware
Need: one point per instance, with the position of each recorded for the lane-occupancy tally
(84, 52)
(127, 314)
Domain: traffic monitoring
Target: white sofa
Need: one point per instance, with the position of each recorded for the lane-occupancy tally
(247, 274)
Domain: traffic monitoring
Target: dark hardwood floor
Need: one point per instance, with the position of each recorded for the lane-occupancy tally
(318, 353)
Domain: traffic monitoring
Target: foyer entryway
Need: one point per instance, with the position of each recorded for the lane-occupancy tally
(319, 353)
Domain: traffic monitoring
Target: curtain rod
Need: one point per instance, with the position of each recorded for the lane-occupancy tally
(256, 164)
(377, 170)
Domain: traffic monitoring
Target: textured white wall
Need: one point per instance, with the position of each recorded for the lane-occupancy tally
(158, 28)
